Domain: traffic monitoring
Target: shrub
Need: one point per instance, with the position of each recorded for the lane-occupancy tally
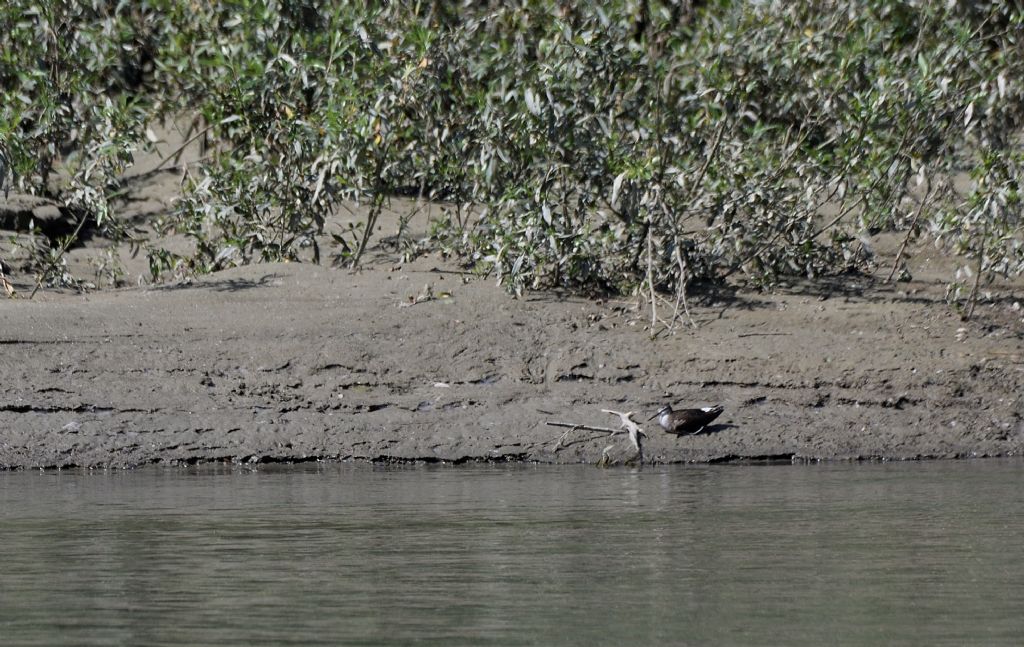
(621, 146)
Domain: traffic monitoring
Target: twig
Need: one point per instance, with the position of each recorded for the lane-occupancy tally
(573, 425)
(650, 276)
(376, 206)
(426, 295)
(558, 445)
(8, 288)
(177, 152)
(629, 426)
(910, 231)
(681, 291)
(973, 298)
(63, 248)
(695, 186)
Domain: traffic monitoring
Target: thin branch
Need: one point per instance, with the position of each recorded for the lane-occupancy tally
(910, 231)
(650, 276)
(628, 426)
(681, 288)
(606, 459)
(972, 300)
(7, 286)
(573, 425)
(63, 248)
(695, 186)
(377, 205)
(177, 152)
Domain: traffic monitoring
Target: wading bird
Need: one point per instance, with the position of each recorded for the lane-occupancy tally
(686, 421)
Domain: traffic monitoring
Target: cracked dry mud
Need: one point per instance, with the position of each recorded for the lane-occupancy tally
(300, 362)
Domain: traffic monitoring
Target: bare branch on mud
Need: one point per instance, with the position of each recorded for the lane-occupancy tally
(628, 426)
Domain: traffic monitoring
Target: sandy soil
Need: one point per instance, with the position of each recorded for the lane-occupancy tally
(298, 362)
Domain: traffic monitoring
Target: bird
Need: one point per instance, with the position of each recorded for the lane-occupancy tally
(686, 421)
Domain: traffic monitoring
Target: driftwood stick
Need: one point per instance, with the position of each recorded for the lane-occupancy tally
(573, 425)
(628, 426)
(561, 439)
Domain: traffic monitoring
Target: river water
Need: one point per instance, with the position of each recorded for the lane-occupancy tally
(852, 554)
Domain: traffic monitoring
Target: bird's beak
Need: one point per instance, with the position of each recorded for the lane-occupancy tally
(653, 417)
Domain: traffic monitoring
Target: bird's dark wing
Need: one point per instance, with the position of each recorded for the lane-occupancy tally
(693, 420)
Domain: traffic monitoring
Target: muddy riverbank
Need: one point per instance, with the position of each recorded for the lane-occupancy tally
(420, 362)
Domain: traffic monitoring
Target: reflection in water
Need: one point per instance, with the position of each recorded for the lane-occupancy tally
(355, 554)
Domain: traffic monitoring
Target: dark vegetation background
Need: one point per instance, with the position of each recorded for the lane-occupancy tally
(626, 146)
